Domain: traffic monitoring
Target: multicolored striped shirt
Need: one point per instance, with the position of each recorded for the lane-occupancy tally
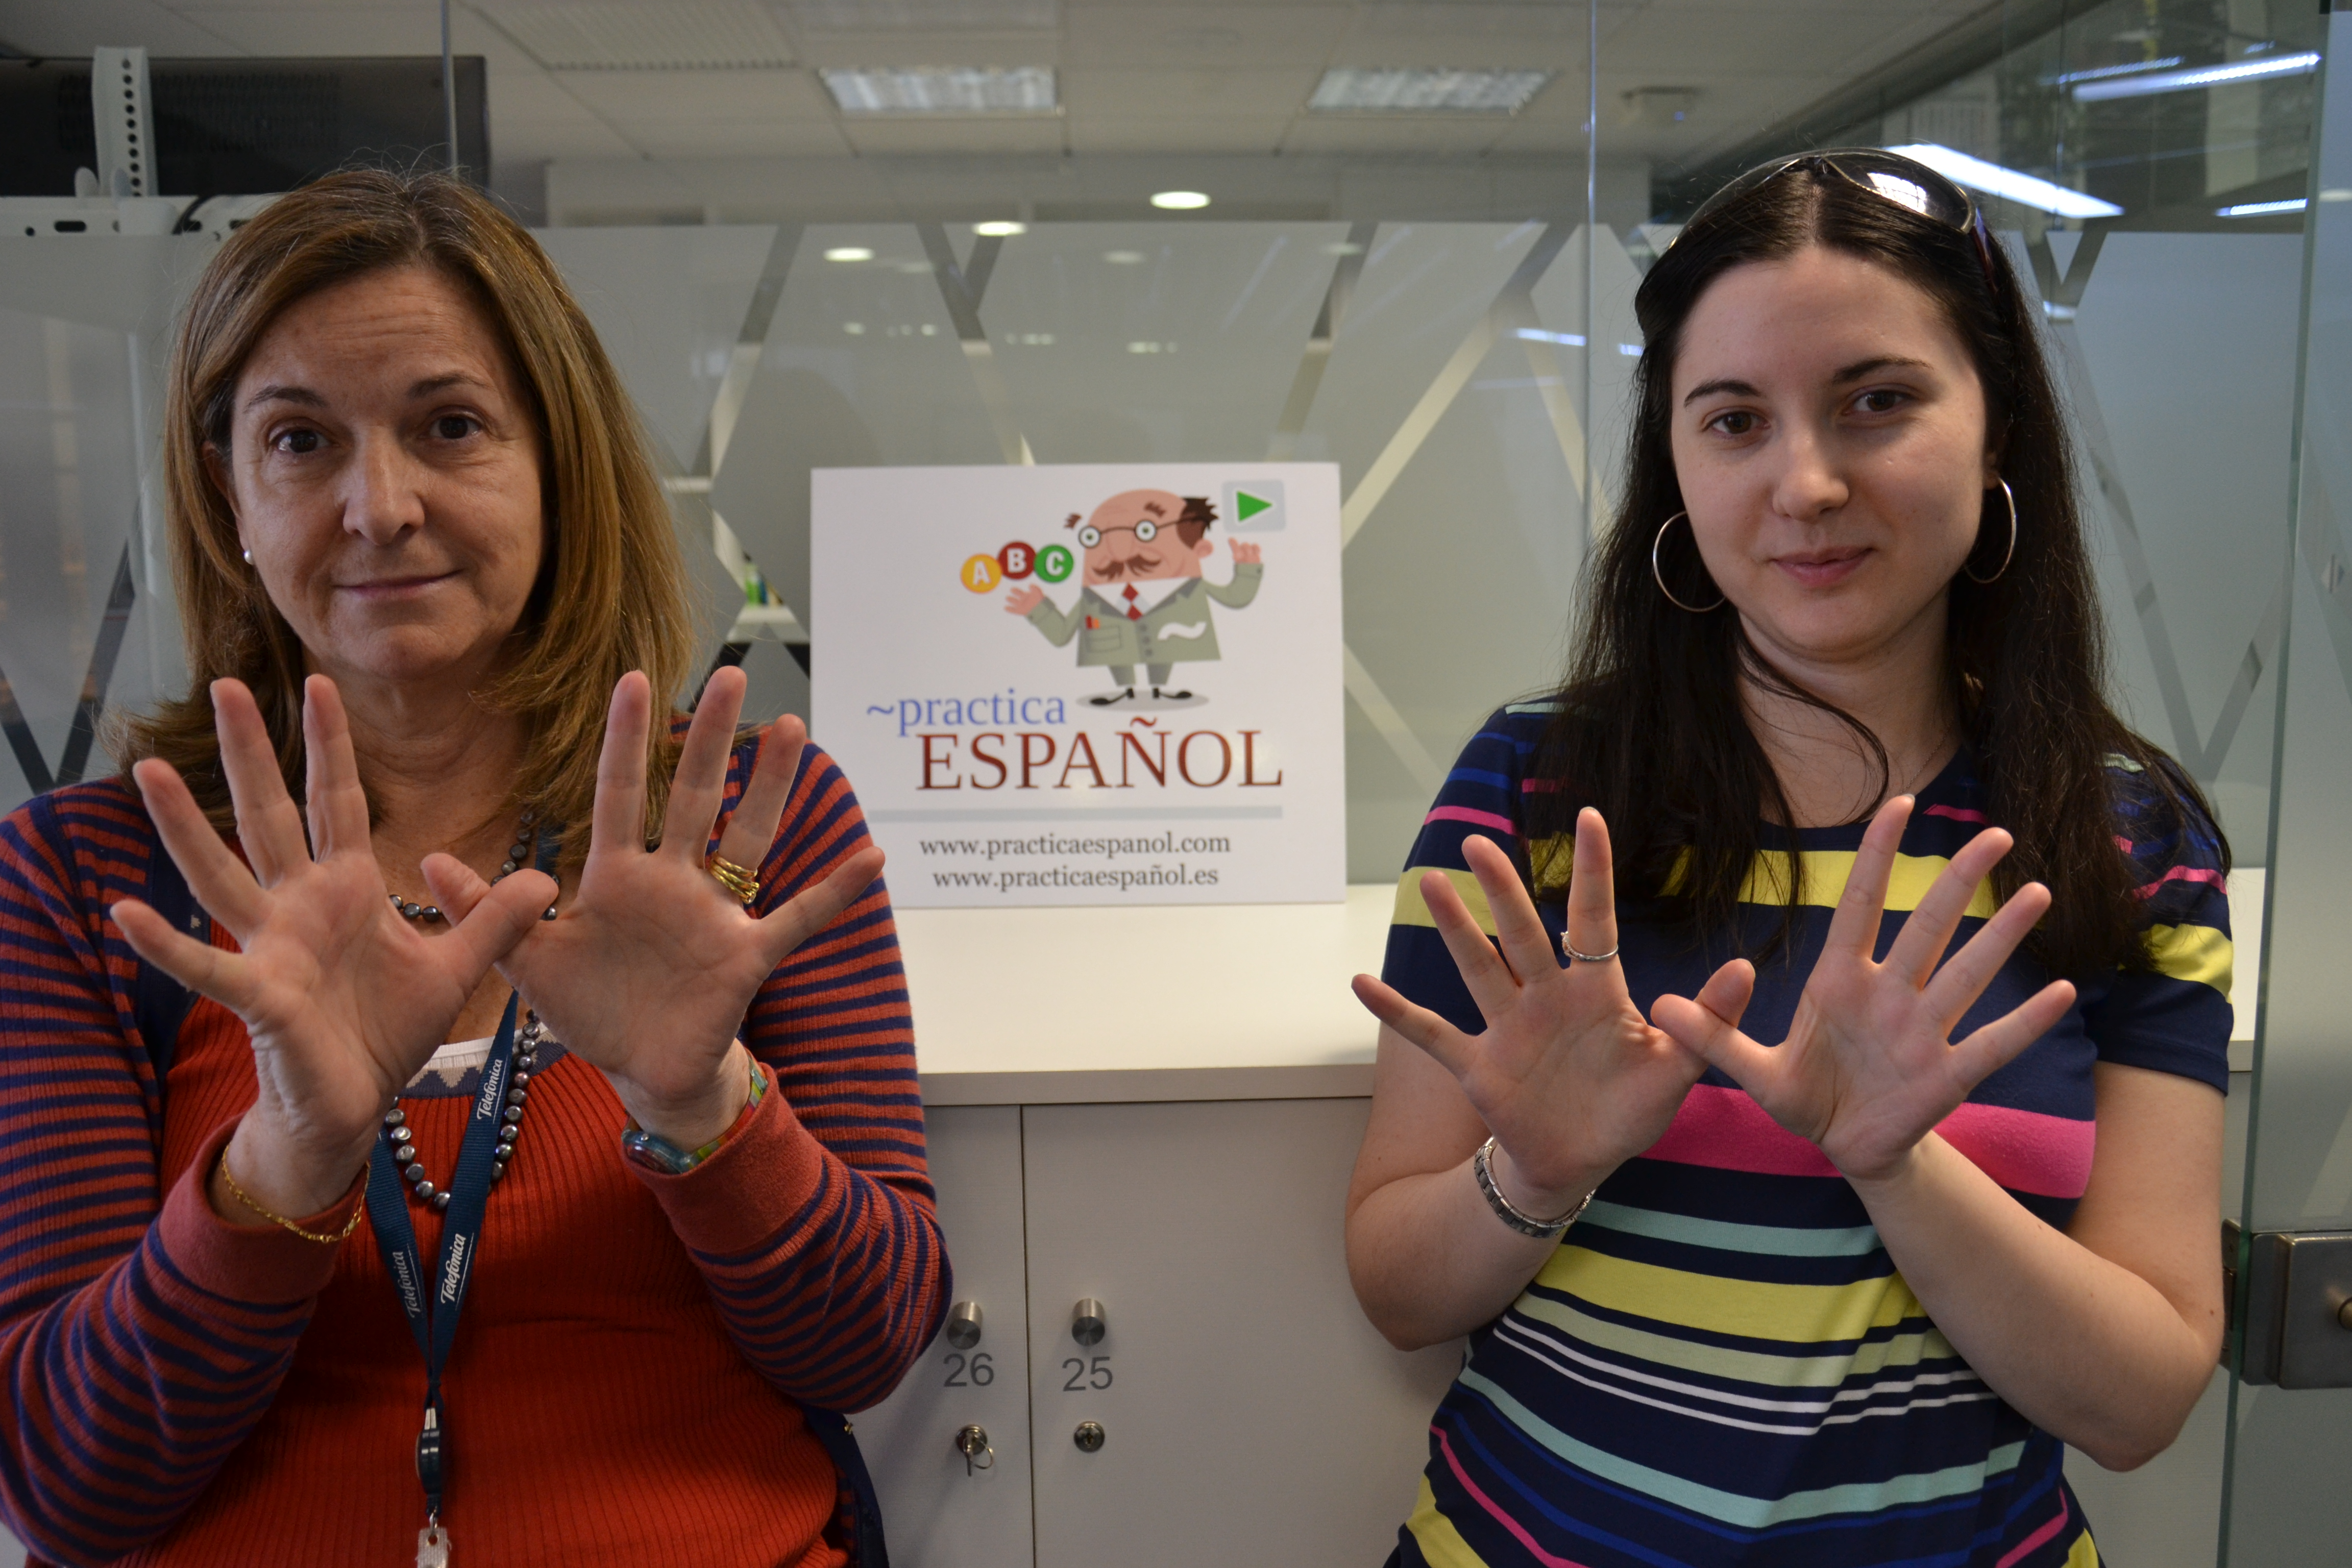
(1721, 1365)
(635, 1350)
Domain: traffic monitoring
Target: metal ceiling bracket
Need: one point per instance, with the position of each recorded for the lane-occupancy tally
(2290, 1298)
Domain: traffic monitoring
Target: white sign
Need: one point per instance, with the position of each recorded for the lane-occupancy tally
(1091, 684)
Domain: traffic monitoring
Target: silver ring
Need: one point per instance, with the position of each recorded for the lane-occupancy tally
(1585, 957)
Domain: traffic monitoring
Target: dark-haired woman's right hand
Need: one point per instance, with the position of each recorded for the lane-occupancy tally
(344, 999)
(1568, 1075)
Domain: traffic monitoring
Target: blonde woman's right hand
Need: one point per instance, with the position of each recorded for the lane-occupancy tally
(344, 1000)
(1568, 1075)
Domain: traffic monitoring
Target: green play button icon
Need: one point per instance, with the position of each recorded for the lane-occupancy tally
(1255, 506)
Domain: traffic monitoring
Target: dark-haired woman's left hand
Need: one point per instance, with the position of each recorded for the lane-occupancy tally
(1869, 1068)
(647, 971)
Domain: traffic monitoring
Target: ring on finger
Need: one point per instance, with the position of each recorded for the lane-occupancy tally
(737, 879)
(1577, 957)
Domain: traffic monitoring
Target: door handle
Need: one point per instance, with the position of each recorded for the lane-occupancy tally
(2290, 1306)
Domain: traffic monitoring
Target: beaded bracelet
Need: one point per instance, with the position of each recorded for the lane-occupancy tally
(658, 1154)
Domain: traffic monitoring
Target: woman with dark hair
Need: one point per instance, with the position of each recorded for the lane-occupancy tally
(533, 1159)
(1807, 1185)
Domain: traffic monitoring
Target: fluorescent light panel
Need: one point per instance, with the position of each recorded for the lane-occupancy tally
(2010, 185)
(943, 89)
(2100, 73)
(2259, 210)
(2196, 76)
(1349, 90)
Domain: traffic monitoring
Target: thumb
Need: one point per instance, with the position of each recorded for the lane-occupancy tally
(486, 919)
(1708, 1024)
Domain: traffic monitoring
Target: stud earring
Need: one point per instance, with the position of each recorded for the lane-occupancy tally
(248, 557)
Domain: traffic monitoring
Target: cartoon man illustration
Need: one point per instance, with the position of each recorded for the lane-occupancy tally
(1145, 601)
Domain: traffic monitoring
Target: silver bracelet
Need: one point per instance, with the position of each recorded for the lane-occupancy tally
(1482, 1165)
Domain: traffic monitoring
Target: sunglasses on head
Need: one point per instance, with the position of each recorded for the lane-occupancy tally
(1890, 176)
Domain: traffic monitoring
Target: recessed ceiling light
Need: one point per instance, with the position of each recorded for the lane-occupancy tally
(849, 253)
(1349, 90)
(943, 89)
(2260, 209)
(1123, 257)
(999, 230)
(1179, 201)
(2014, 184)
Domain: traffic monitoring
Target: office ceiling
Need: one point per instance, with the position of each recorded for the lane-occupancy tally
(678, 79)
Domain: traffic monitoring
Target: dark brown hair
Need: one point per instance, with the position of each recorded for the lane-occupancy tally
(1652, 728)
(612, 591)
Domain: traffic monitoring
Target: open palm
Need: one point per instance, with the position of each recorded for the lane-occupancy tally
(1869, 1068)
(1567, 1075)
(647, 972)
(344, 999)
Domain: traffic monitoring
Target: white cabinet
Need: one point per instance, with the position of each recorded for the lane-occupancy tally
(1248, 1411)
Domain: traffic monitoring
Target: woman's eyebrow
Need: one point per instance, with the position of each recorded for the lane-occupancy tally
(275, 393)
(433, 384)
(1863, 367)
(1721, 385)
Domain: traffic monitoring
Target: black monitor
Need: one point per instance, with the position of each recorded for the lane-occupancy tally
(246, 127)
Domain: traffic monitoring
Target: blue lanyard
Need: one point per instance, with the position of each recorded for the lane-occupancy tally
(432, 1302)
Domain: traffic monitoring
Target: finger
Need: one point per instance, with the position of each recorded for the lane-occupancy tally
(1447, 1046)
(752, 828)
(1965, 975)
(698, 787)
(268, 824)
(1527, 946)
(1490, 981)
(495, 922)
(1920, 946)
(338, 802)
(2000, 1042)
(458, 887)
(1708, 1025)
(219, 880)
(617, 820)
(1854, 927)
(199, 965)
(813, 908)
(1591, 925)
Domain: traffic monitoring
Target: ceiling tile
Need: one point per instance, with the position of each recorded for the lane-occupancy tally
(621, 35)
(46, 27)
(1215, 133)
(941, 46)
(772, 139)
(737, 95)
(1171, 34)
(913, 134)
(922, 16)
(1407, 135)
(1191, 92)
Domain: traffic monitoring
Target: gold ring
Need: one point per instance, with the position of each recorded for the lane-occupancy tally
(743, 884)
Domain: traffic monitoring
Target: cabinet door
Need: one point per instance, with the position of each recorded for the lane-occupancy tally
(1249, 1414)
(936, 1511)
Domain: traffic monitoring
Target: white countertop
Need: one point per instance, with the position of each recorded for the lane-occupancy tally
(1030, 1006)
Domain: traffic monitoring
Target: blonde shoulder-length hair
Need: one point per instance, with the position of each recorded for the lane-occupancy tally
(612, 590)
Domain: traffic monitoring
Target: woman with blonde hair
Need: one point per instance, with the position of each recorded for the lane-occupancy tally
(365, 1252)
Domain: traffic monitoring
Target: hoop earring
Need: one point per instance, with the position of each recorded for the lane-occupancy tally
(1660, 577)
(2011, 497)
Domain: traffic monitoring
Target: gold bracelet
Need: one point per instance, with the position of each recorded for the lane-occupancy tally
(321, 1238)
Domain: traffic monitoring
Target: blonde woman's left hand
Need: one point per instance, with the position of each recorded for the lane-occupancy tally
(647, 971)
(1869, 1068)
